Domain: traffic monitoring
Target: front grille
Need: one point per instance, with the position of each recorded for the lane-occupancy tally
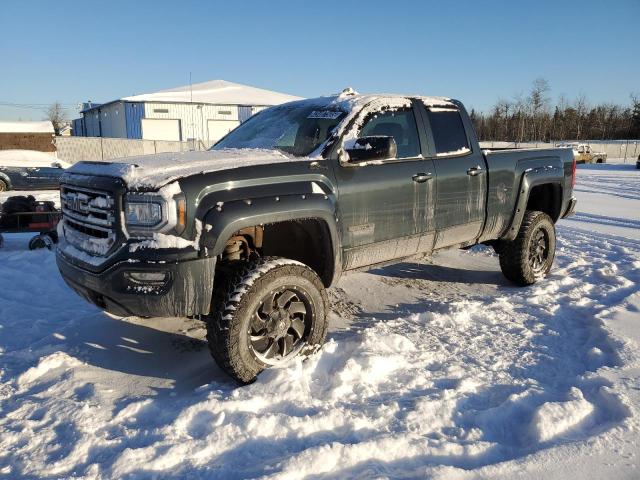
(90, 218)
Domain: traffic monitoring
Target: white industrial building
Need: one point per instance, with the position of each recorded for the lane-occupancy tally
(202, 112)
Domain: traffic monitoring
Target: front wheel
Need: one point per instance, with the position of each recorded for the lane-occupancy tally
(273, 309)
(529, 257)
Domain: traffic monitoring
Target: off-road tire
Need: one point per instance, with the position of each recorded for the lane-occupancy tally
(515, 256)
(234, 302)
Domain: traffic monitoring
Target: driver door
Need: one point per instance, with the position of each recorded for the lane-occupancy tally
(385, 206)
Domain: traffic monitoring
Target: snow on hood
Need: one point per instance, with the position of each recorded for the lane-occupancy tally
(154, 171)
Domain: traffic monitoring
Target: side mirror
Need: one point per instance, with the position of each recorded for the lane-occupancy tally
(365, 149)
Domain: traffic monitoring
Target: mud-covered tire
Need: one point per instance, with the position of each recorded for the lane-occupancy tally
(237, 300)
(521, 260)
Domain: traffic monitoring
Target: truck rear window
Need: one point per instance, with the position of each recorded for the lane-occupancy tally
(448, 132)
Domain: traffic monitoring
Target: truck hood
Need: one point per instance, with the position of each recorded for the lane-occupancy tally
(154, 171)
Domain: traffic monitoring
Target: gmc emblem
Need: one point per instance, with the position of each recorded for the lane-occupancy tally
(78, 204)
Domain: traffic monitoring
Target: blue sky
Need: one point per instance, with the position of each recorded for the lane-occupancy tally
(477, 51)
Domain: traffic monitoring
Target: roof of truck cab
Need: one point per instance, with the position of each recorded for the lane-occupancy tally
(349, 101)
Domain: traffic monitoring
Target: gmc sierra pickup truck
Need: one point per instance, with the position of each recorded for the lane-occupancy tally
(247, 236)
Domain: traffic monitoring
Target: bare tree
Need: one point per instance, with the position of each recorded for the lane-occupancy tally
(580, 107)
(635, 115)
(538, 106)
(533, 117)
(57, 116)
(520, 114)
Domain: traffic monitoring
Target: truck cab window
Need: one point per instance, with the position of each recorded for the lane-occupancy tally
(399, 124)
(448, 132)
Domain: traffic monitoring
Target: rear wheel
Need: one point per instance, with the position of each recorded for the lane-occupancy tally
(529, 257)
(272, 310)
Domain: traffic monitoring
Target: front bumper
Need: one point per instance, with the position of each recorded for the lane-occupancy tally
(186, 292)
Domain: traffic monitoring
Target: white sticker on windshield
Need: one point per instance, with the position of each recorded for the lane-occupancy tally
(328, 114)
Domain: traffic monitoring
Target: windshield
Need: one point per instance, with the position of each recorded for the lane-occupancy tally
(297, 129)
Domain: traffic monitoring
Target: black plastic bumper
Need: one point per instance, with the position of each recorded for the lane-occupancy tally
(185, 292)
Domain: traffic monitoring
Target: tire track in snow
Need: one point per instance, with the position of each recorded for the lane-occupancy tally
(468, 380)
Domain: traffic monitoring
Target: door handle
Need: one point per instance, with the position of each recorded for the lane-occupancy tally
(473, 171)
(421, 177)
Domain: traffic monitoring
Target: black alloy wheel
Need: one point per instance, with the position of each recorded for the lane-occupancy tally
(538, 251)
(278, 326)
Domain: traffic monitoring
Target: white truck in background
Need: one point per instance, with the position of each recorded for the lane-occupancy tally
(583, 153)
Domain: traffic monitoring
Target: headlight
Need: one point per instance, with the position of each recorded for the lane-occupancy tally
(143, 214)
(158, 212)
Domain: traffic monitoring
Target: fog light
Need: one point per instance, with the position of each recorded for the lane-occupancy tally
(148, 278)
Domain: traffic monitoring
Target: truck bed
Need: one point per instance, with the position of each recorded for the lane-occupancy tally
(509, 168)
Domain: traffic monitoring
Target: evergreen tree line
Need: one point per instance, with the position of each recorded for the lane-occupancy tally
(532, 117)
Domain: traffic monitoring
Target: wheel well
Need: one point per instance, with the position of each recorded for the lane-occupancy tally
(307, 240)
(546, 198)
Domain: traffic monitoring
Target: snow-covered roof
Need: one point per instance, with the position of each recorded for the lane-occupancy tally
(26, 127)
(217, 92)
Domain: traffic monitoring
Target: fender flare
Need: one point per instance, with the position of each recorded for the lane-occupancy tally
(221, 222)
(531, 178)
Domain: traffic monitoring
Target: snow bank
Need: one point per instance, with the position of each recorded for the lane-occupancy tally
(47, 364)
(29, 158)
(27, 127)
(555, 418)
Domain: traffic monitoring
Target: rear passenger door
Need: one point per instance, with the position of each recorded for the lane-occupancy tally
(461, 177)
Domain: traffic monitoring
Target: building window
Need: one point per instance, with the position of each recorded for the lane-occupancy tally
(160, 110)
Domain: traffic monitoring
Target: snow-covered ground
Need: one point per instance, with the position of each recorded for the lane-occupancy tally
(433, 369)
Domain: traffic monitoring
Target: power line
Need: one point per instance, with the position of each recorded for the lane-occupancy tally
(38, 106)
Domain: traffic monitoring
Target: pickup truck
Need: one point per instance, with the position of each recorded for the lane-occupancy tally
(248, 235)
(584, 154)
